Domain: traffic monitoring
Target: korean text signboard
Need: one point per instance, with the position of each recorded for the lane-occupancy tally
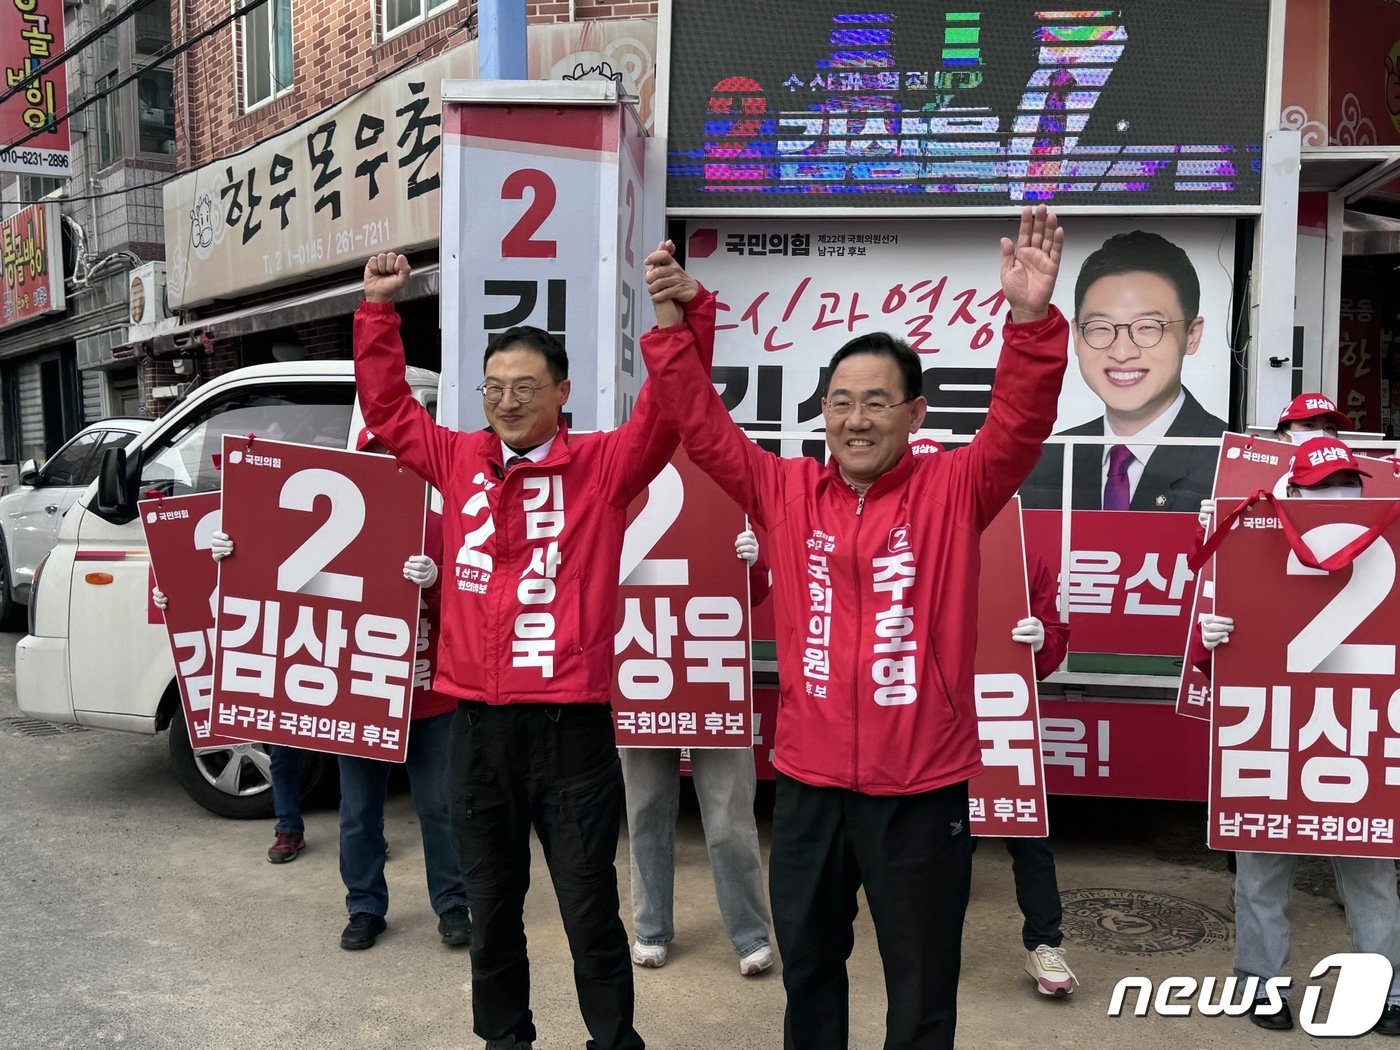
(682, 650)
(178, 531)
(317, 627)
(1305, 724)
(31, 264)
(1008, 798)
(365, 175)
(921, 105)
(32, 140)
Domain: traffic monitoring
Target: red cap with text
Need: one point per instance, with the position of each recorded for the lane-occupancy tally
(1314, 406)
(1320, 458)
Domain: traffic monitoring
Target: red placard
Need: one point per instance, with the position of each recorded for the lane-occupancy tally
(682, 651)
(1248, 464)
(1008, 798)
(1305, 728)
(177, 533)
(1129, 585)
(31, 36)
(317, 626)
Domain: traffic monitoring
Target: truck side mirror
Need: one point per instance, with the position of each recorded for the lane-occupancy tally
(116, 491)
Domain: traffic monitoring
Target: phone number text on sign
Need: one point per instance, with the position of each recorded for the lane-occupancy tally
(317, 627)
(1305, 728)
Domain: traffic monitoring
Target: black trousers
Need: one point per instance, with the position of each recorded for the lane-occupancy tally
(1037, 891)
(553, 767)
(913, 854)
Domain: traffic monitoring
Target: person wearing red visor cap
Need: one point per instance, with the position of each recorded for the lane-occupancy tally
(1308, 415)
(1323, 469)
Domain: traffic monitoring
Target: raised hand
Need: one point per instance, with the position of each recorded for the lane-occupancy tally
(1029, 267)
(668, 284)
(385, 276)
(158, 599)
(746, 547)
(1215, 630)
(220, 545)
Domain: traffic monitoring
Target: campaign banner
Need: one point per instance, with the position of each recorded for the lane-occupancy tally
(1248, 464)
(178, 531)
(33, 140)
(1305, 724)
(317, 627)
(1008, 797)
(1122, 749)
(682, 663)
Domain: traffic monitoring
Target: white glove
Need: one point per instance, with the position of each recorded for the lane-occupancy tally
(1029, 631)
(746, 547)
(220, 546)
(421, 570)
(159, 599)
(1207, 512)
(1215, 629)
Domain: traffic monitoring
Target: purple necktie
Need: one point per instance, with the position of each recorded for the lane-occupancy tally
(1117, 491)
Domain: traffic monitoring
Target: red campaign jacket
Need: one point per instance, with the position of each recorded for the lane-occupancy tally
(1045, 609)
(427, 701)
(529, 587)
(876, 595)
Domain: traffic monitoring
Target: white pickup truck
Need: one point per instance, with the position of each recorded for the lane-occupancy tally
(92, 657)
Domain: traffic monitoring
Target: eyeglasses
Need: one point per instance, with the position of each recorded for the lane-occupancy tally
(1145, 332)
(841, 407)
(522, 392)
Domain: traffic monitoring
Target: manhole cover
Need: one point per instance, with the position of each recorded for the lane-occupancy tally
(38, 727)
(1132, 922)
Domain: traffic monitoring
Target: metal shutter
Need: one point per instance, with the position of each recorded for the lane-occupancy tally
(92, 396)
(31, 412)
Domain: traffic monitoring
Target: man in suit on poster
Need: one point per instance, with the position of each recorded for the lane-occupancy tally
(1136, 306)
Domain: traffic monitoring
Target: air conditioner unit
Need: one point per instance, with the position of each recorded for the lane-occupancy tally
(147, 295)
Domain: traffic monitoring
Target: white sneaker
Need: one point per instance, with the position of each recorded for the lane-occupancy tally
(652, 956)
(1051, 973)
(758, 960)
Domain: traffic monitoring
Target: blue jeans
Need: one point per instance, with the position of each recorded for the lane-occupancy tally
(724, 783)
(285, 775)
(1263, 886)
(364, 784)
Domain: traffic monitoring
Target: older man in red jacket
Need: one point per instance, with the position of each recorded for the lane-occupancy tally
(875, 568)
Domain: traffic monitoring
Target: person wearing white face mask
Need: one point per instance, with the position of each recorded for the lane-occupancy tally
(1309, 416)
(1264, 881)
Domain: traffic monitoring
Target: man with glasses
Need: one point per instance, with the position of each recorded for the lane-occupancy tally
(1136, 307)
(875, 561)
(533, 522)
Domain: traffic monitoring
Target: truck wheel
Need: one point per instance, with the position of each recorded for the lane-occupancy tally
(13, 615)
(233, 781)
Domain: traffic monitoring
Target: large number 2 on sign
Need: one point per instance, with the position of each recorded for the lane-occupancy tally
(519, 243)
(1319, 647)
(302, 572)
(665, 495)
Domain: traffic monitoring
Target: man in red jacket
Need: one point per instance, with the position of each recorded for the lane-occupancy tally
(875, 569)
(532, 528)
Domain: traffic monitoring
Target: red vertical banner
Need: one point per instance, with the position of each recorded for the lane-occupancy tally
(32, 140)
(1305, 724)
(177, 533)
(1359, 349)
(682, 665)
(317, 626)
(1008, 798)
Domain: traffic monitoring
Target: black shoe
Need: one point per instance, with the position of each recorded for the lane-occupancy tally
(508, 1043)
(1278, 1022)
(1389, 1024)
(455, 925)
(361, 931)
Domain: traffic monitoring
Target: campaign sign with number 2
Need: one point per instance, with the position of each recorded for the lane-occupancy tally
(178, 532)
(1305, 727)
(316, 623)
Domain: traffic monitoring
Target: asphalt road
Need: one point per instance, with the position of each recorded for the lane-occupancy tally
(131, 917)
